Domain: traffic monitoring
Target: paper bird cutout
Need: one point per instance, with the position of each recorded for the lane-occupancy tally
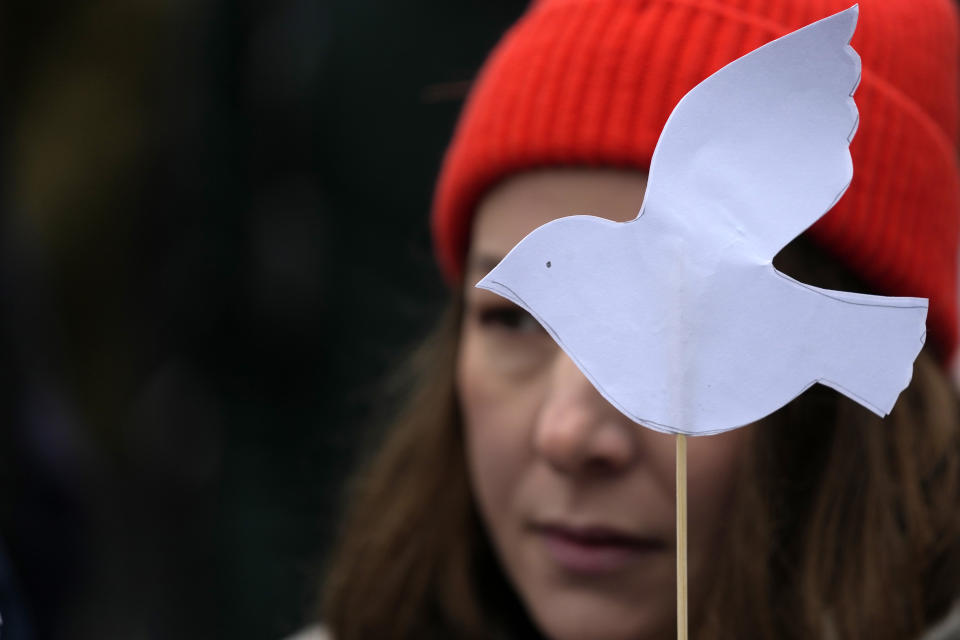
(678, 317)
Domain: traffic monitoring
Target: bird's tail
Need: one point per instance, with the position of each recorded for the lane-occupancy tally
(879, 339)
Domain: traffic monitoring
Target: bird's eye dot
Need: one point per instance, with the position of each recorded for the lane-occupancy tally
(548, 264)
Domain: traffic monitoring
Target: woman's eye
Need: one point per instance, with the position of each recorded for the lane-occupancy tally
(511, 318)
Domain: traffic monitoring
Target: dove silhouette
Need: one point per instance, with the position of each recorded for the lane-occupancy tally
(678, 317)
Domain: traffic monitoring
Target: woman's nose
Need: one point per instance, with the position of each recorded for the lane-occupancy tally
(577, 430)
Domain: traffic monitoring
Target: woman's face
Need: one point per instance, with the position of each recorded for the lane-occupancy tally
(577, 499)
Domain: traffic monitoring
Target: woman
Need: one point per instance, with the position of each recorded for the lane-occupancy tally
(511, 501)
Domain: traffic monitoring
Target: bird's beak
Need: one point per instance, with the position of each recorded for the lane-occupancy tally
(491, 283)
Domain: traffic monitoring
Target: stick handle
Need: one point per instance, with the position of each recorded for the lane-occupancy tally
(682, 537)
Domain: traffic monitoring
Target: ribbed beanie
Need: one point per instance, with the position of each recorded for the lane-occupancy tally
(591, 83)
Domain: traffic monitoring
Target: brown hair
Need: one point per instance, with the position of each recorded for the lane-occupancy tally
(843, 524)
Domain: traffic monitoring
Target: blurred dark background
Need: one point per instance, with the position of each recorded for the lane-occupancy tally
(214, 246)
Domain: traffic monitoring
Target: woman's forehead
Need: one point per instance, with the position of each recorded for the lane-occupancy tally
(523, 202)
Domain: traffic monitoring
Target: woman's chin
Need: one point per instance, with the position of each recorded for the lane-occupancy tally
(586, 616)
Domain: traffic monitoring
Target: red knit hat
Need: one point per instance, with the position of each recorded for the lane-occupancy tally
(591, 83)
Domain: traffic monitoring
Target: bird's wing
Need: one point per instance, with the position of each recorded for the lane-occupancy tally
(760, 149)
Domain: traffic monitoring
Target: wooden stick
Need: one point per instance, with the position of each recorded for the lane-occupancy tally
(681, 537)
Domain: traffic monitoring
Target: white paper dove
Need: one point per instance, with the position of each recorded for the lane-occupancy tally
(678, 317)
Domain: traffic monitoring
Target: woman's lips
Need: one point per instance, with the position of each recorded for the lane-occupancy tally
(595, 550)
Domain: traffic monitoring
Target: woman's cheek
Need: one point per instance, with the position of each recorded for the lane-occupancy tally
(500, 372)
(500, 393)
(494, 383)
(712, 473)
(712, 468)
